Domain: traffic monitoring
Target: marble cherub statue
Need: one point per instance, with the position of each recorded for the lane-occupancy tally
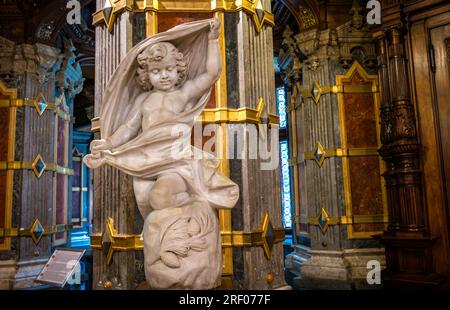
(162, 85)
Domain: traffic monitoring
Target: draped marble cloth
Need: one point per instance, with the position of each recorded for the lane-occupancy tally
(162, 149)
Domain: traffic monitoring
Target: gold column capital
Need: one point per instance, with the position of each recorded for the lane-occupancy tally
(254, 8)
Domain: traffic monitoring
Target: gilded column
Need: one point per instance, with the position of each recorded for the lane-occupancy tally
(250, 78)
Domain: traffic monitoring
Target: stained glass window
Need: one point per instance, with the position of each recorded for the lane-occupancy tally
(281, 104)
(286, 196)
(286, 201)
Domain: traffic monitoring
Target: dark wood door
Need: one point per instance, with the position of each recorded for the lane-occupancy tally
(440, 38)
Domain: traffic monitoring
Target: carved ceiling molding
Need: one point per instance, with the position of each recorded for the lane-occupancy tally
(51, 18)
(348, 42)
(40, 21)
(39, 59)
(306, 12)
(44, 61)
(113, 8)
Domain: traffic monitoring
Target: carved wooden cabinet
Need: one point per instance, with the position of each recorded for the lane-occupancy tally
(414, 75)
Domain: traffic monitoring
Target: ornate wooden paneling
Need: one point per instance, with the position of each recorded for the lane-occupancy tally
(417, 246)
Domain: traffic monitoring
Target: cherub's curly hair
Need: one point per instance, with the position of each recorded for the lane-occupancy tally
(155, 53)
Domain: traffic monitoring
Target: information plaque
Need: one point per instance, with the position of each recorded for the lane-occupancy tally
(60, 267)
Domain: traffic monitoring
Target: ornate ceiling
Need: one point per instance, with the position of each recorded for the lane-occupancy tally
(31, 21)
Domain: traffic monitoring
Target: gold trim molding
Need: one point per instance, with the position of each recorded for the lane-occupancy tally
(27, 232)
(255, 238)
(8, 202)
(240, 115)
(260, 16)
(336, 152)
(118, 242)
(323, 220)
(21, 165)
(337, 89)
(265, 237)
(223, 115)
(33, 103)
(95, 124)
(348, 219)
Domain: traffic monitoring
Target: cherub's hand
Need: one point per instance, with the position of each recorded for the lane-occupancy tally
(94, 160)
(215, 29)
(100, 145)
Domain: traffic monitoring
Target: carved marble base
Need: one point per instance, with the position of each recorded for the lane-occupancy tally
(20, 275)
(340, 270)
(296, 259)
(182, 248)
(7, 273)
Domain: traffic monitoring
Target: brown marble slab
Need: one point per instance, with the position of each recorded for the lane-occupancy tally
(360, 117)
(365, 183)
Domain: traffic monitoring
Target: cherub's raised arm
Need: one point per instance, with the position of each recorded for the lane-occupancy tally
(195, 88)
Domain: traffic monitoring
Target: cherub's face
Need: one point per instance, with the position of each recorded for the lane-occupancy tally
(163, 74)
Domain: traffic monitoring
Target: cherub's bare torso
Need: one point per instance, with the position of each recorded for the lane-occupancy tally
(161, 106)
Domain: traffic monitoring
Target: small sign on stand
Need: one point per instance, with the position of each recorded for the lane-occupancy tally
(60, 267)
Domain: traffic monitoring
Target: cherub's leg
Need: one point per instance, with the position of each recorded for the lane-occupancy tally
(169, 190)
(142, 189)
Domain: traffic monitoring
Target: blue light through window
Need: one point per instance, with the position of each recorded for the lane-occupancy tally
(286, 200)
(281, 104)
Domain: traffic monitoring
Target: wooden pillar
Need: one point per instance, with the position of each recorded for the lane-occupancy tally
(409, 242)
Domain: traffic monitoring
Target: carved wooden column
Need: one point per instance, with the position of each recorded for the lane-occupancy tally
(386, 133)
(408, 242)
